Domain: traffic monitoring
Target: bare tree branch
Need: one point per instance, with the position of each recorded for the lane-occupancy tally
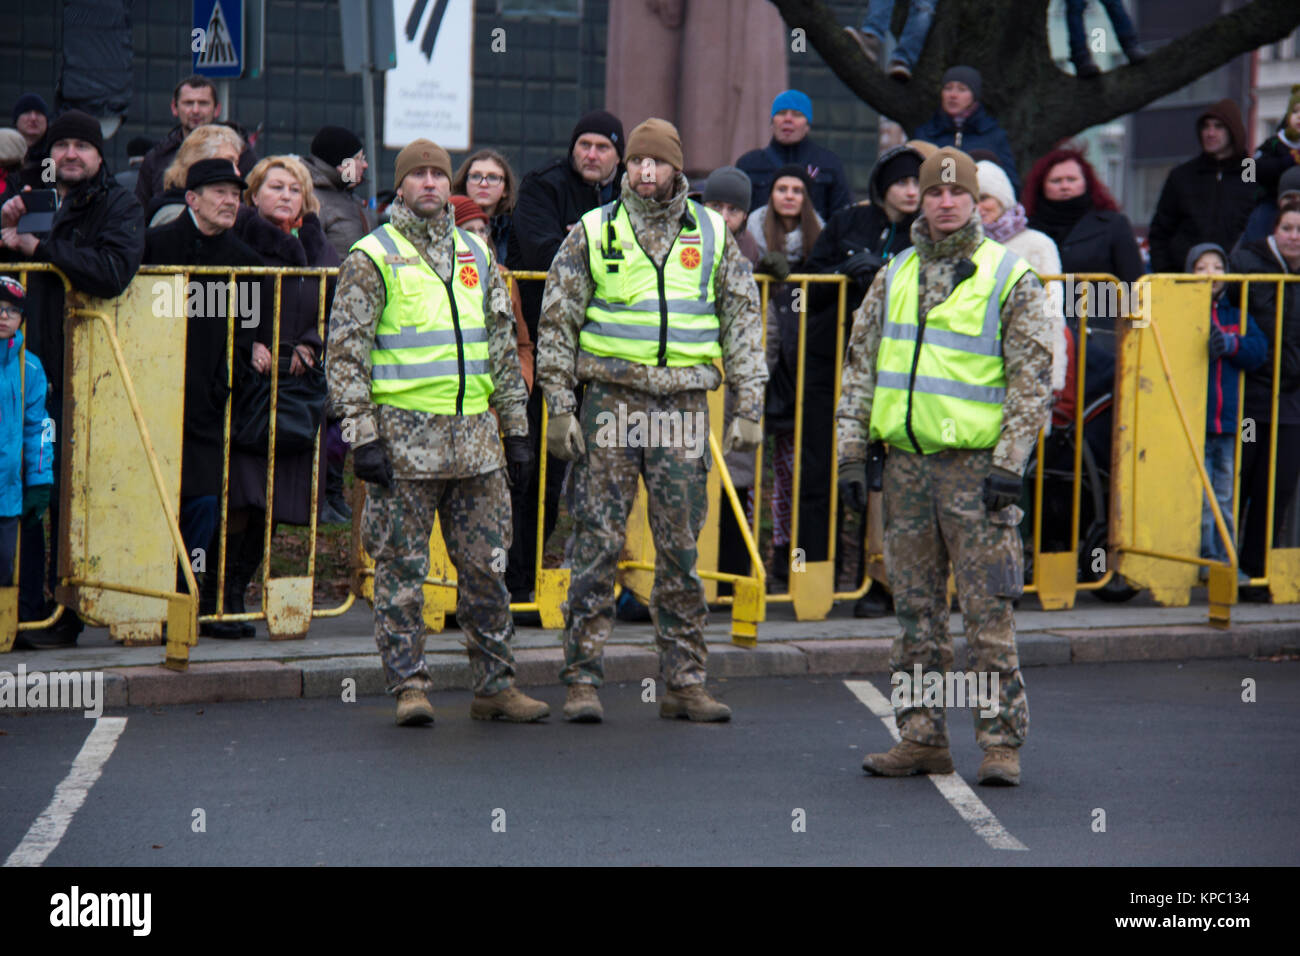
(1033, 99)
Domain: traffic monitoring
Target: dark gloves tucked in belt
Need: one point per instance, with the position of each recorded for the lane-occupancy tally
(1001, 488)
(519, 459)
(853, 485)
(36, 498)
(774, 264)
(370, 462)
(862, 267)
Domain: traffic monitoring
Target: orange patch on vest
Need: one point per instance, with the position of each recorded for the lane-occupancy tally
(690, 258)
(468, 276)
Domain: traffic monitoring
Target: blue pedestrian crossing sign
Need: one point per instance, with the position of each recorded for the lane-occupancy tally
(217, 38)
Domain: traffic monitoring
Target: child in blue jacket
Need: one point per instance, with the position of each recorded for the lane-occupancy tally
(26, 457)
(1231, 351)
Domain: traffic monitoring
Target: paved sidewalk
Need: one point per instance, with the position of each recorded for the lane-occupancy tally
(343, 648)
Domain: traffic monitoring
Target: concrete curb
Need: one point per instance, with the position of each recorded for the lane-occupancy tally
(154, 686)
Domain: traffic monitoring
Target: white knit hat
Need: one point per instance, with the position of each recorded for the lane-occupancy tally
(994, 182)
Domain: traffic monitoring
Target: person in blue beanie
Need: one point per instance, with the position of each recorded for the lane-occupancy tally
(792, 117)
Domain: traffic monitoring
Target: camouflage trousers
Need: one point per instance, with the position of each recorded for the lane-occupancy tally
(602, 486)
(934, 514)
(475, 521)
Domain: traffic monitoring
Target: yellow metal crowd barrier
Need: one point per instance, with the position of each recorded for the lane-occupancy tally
(121, 475)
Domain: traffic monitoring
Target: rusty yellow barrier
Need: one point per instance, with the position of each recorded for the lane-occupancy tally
(1160, 475)
(122, 536)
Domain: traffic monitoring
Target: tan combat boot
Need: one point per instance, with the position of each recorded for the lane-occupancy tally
(1000, 767)
(511, 704)
(693, 702)
(908, 757)
(582, 705)
(413, 708)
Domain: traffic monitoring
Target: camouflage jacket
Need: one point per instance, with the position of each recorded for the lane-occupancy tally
(419, 444)
(569, 287)
(1026, 349)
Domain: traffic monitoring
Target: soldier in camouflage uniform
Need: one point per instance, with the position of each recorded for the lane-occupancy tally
(421, 353)
(960, 415)
(642, 298)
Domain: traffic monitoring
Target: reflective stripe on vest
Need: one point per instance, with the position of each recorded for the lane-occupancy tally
(430, 351)
(949, 393)
(642, 314)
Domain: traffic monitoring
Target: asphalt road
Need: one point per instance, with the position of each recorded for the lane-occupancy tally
(1187, 775)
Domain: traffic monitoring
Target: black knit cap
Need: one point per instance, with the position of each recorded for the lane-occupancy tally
(603, 124)
(74, 124)
(964, 74)
(11, 290)
(906, 163)
(139, 146)
(335, 144)
(29, 102)
(793, 169)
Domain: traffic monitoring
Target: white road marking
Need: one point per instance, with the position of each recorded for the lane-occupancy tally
(954, 789)
(48, 829)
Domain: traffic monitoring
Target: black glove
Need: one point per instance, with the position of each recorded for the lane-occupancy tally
(1221, 342)
(519, 460)
(853, 485)
(774, 264)
(370, 463)
(862, 267)
(1001, 488)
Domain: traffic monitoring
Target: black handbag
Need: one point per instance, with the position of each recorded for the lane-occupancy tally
(300, 406)
(778, 412)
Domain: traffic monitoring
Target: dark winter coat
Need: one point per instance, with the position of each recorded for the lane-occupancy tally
(862, 227)
(97, 239)
(299, 311)
(180, 243)
(1250, 353)
(1100, 241)
(172, 200)
(341, 216)
(1203, 200)
(977, 131)
(156, 161)
(1272, 159)
(1259, 256)
(551, 199)
(830, 186)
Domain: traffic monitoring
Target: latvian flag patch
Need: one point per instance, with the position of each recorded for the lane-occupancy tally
(690, 240)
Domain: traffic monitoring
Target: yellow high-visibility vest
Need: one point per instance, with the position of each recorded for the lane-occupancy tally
(948, 393)
(431, 342)
(663, 316)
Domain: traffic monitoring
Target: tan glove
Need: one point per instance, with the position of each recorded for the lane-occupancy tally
(743, 435)
(564, 438)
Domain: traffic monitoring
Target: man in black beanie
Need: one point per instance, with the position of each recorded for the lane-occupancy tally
(962, 121)
(96, 240)
(338, 165)
(31, 117)
(551, 201)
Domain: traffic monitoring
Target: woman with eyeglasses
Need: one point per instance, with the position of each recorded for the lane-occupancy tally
(486, 178)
